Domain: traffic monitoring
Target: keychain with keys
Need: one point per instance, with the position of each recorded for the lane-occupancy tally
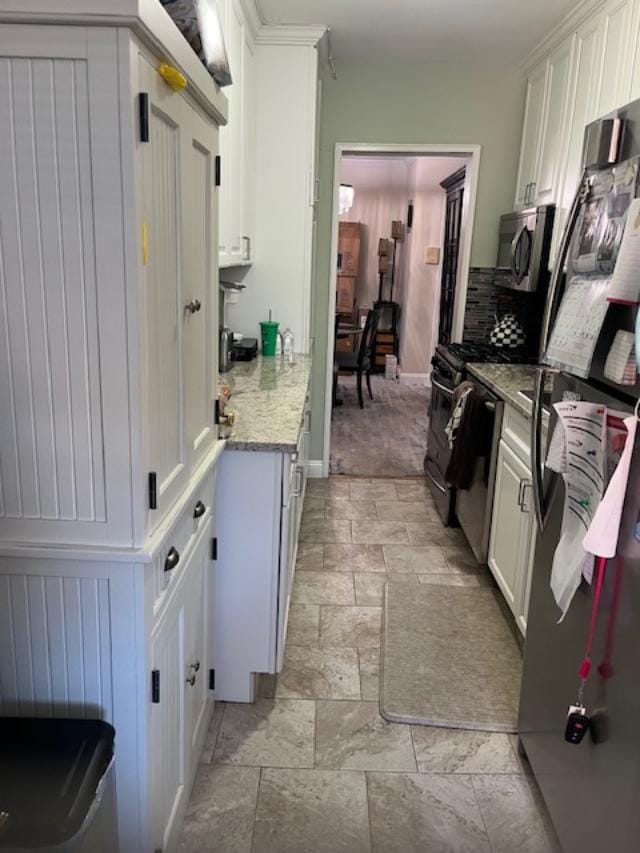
(577, 724)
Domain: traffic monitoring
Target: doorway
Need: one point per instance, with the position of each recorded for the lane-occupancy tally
(393, 259)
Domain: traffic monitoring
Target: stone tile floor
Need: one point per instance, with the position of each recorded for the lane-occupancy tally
(312, 767)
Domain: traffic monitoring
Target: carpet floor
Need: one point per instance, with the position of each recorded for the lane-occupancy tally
(388, 438)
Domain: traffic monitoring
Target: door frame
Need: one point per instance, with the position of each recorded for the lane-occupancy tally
(472, 152)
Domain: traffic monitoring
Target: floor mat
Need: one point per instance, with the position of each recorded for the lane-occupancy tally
(388, 438)
(449, 658)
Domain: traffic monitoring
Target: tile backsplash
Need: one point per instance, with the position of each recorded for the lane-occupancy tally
(486, 302)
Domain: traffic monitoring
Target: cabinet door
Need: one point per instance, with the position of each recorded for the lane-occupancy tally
(199, 141)
(167, 723)
(554, 137)
(163, 295)
(617, 63)
(248, 168)
(634, 91)
(197, 604)
(531, 134)
(583, 108)
(230, 242)
(510, 524)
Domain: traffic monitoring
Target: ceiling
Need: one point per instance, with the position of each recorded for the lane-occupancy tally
(497, 31)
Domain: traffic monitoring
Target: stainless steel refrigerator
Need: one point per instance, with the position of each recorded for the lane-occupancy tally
(592, 789)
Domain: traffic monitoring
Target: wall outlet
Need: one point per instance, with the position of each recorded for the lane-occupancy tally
(432, 255)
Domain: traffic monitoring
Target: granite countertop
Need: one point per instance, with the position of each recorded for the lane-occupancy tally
(268, 397)
(506, 380)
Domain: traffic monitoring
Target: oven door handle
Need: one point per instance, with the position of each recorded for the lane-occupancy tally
(436, 483)
(443, 388)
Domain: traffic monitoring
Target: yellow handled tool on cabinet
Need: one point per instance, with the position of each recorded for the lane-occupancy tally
(172, 77)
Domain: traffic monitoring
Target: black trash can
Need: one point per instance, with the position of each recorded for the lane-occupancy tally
(57, 786)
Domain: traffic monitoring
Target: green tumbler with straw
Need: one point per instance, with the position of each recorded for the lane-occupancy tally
(269, 333)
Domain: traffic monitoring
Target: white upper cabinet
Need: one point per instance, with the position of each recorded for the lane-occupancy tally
(532, 134)
(635, 53)
(590, 72)
(615, 87)
(582, 109)
(554, 131)
(237, 141)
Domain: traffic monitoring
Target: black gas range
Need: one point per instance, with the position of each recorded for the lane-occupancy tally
(457, 356)
(449, 365)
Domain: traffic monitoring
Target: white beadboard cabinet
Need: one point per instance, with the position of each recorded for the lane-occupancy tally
(108, 383)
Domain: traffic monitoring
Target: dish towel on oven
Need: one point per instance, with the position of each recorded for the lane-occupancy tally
(472, 441)
(458, 401)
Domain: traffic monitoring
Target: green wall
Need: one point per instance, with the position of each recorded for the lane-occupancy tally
(415, 102)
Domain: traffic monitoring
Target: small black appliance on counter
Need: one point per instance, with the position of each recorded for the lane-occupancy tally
(245, 349)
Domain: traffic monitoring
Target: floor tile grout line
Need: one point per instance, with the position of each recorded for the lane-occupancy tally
(366, 784)
(482, 817)
(255, 811)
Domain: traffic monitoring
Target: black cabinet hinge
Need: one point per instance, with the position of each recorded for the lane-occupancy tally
(155, 686)
(218, 170)
(153, 490)
(212, 679)
(143, 113)
(214, 548)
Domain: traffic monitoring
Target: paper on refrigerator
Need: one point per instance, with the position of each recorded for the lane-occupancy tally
(578, 325)
(582, 464)
(624, 286)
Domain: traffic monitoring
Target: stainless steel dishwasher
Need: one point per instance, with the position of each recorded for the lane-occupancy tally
(474, 506)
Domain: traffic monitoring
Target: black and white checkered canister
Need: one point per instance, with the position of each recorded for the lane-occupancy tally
(507, 333)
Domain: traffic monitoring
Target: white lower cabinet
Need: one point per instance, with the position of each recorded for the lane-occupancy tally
(256, 562)
(180, 693)
(512, 526)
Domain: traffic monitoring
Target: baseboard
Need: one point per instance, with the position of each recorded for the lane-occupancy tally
(315, 468)
(414, 379)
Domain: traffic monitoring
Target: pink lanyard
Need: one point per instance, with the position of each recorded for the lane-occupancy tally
(585, 666)
(605, 668)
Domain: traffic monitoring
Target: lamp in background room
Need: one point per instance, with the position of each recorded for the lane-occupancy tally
(345, 198)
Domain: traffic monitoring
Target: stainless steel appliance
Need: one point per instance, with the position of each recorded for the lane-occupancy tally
(448, 371)
(474, 506)
(592, 789)
(523, 248)
(225, 340)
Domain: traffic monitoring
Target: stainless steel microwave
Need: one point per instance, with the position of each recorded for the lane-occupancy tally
(523, 249)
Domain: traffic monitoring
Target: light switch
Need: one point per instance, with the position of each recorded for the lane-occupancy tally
(432, 255)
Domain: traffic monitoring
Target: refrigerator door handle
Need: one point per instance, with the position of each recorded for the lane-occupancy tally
(537, 466)
(582, 193)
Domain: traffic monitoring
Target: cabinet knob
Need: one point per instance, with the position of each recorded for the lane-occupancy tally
(194, 306)
(191, 679)
(172, 559)
(199, 510)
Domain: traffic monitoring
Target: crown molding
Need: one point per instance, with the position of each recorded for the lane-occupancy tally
(252, 16)
(283, 34)
(577, 16)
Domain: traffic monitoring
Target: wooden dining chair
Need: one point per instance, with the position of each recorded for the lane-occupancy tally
(361, 362)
